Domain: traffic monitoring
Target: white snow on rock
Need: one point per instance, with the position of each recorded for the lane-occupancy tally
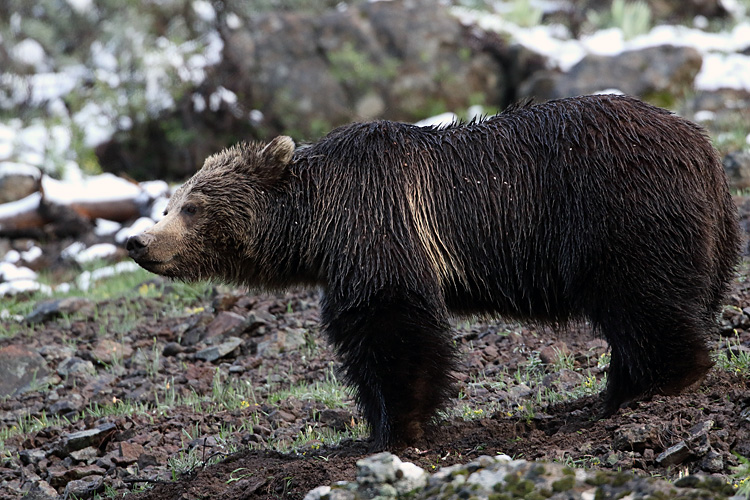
(106, 227)
(10, 272)
(441, 120)
(13, 168)
(104, 187)
(28, 204)
(158, 208)
(94, 252)
(72, 250)
(137, 227)
(32, 254)
(12, 256)
(21, 286)
(722, 66)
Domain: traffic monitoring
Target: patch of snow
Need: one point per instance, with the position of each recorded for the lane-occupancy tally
(106, 227)
(48, 86)
(32, 254)
(441, 120)
(8, 135)
(204, 10)
(722, 66)
(199, 103)
(155, 189)
(10, 272)
(29, 52)
(102, 58)
(12, 208)
(72, 250)
(96, 123)
(724, 71)
(704, 115)
(103, 187)
(12, 256)
(94, 252)
(71, 172)
(22, 286)
(256, 116)
(233, 21)
(158, 208)
(5, 314)
(85, 279)
(81, 6)
(220, 95)
(137, 227)
(13, 168)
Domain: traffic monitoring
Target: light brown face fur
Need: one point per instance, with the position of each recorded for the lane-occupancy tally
(211, 225)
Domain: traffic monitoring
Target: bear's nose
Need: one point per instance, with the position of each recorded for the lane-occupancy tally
(137, 245)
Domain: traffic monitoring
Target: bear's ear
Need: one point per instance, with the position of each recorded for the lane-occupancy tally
(279, 150)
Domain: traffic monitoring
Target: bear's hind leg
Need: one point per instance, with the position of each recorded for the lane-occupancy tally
(397, 354)
(655, 350)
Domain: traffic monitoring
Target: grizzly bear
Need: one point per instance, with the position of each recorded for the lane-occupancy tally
(598, 207)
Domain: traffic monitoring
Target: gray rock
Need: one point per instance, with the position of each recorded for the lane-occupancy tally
(18, 181)
(551, 353)
(395, 60)
(72, 403)
(664, 69)
(90, 437)
(32, 456)
(737, 167)
(634, 437)
(282, 340)
(20, 370)
(172, 349)
(219, 351)
(50, 309)
(84, 488)
(41, 490)
(88, 454)
(385, 474)
(74, 365)
(228, 324)
(712, 462)
(501, 477)
(674, 455)
(108, 350)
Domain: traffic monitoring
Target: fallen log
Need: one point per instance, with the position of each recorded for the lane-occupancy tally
(71, 206)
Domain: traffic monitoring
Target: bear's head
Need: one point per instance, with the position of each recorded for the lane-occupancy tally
(212, 223)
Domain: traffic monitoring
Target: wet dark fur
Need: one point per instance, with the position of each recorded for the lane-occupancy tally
(600, 207)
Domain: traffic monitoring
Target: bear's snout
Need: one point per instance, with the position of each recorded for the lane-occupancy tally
(137, 245)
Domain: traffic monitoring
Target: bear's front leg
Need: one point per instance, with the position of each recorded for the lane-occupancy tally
(397, 354)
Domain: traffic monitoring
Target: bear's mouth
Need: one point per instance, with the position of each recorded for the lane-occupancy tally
(154, 266)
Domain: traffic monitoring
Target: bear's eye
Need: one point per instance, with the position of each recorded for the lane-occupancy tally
(189, 209)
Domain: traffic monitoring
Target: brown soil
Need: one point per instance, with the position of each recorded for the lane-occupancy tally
(493, 413)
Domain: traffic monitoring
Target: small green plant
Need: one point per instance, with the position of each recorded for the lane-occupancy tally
(633, 18)
(732, 359)
(524, 14)
(741, 476)
(330, 392)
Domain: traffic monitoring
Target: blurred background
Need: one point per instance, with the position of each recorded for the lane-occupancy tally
(149, 88)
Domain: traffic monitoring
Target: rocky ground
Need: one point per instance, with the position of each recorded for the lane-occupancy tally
(198, 392)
